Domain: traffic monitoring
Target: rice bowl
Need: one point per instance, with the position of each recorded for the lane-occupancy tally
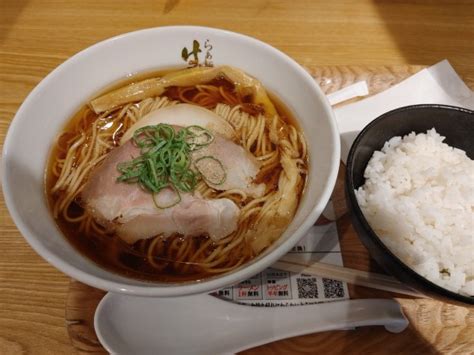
(454, 123)
(418, 198)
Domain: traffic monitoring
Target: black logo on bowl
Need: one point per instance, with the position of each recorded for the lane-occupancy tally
(192, 56)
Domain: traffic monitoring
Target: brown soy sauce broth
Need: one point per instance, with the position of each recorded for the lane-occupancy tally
(109, 251)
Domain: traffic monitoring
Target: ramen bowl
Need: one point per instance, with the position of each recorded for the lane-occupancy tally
(46, 110)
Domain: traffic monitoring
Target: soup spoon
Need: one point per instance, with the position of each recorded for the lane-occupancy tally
(204, 324)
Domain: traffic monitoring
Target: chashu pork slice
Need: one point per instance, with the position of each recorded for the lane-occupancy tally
(241, 167)
(130, 211)
(183, 115)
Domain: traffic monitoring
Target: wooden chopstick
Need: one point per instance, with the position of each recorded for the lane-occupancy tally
(356, 277)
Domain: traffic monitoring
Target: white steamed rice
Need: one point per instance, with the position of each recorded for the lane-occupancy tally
(419, 198)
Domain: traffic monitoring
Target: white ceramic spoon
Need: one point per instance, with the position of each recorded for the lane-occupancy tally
(203, 324)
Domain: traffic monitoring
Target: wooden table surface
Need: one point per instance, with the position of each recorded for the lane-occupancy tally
(36, 36)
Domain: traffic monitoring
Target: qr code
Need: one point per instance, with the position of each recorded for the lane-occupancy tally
(333, 288)
(307, 287)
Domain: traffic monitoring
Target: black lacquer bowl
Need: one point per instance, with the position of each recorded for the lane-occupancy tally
(457, 125)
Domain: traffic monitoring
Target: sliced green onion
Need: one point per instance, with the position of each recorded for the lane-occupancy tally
(174, 203)
(208, 178)
(165, 159)
(199, 137)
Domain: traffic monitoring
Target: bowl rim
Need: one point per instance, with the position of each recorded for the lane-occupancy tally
(206, 285)
(426, 284)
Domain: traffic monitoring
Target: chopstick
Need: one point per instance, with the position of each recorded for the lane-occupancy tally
(352, 276)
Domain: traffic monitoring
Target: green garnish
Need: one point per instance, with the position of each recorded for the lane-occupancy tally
(165, 159)
(215, 178)
(174, 203)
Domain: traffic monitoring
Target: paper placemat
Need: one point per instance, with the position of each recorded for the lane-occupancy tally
(438, 84)
(273, 288)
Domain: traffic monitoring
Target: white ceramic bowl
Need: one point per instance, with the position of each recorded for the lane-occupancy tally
(74, 82)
